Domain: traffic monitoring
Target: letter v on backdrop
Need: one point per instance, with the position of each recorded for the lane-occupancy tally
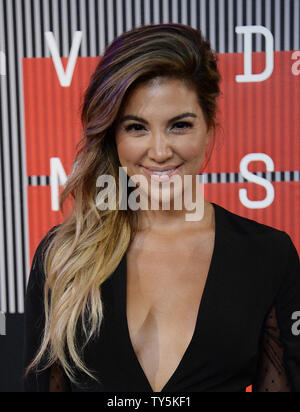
(65, 77)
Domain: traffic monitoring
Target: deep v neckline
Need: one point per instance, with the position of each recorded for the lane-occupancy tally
(202, 304)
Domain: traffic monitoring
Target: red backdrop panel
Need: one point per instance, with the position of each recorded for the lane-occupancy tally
(258, 117)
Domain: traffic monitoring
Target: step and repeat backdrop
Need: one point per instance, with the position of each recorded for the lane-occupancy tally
(48, 51)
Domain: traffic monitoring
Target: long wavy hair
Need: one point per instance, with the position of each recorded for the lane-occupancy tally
(88, 246)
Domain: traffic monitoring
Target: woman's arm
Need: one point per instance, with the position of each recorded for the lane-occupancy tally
(279, 363)
(34, 325)
(271, 374)
(58, 380)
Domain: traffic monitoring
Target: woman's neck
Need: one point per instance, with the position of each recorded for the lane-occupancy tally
(173, 220)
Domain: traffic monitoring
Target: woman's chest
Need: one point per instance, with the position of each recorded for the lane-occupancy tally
(164, 289)
(165, 285)
(166, 280)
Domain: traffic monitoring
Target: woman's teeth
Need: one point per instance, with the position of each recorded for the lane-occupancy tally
(165, 172)
(161, 175)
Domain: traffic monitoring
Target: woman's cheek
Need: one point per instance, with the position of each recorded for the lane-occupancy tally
(191, 149)
(126, 151)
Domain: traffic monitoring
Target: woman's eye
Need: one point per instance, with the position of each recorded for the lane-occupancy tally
(135, 127)
(182, 125)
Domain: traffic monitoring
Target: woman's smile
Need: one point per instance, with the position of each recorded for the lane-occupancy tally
(161, 174)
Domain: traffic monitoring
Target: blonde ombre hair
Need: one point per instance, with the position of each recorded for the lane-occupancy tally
(89, 245)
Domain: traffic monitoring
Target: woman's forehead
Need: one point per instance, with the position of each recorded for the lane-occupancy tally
(160, 94)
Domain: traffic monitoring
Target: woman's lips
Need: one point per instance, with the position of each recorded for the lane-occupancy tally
(159, 177)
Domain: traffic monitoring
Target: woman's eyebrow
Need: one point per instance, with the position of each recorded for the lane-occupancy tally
(141, 120)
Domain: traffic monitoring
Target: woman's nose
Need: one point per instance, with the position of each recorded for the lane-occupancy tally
(160, 147)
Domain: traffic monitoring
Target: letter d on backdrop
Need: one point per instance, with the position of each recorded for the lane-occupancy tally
(248, 76)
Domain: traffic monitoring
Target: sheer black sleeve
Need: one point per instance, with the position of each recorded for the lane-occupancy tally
(59, 382)
(279, 362)
(34, 328)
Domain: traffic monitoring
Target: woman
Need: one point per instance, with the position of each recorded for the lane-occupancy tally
(126, 299)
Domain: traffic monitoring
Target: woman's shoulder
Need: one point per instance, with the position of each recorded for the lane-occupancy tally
(261, 235)
(37, 275)
(42, 245)
(263, 251)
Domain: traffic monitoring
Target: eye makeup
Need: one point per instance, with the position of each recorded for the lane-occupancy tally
(133, 126)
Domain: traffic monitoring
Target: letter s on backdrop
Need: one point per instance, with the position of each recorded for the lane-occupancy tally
(251, 177)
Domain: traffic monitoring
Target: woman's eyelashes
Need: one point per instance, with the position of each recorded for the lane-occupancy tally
(137, 127)
(184, 125)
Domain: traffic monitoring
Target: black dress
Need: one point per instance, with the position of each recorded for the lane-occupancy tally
(246, 331)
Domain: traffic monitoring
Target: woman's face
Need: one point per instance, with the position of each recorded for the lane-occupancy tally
(161, 126)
